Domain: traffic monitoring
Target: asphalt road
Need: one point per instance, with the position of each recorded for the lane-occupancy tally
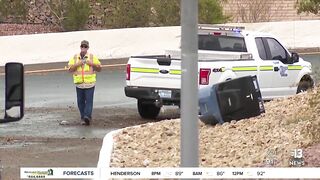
(56, 89)
(51, 98)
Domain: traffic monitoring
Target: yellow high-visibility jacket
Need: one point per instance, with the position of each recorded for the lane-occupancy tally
(84, 73)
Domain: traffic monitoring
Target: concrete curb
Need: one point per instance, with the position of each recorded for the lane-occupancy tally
(310, 50)
(106, 152)
(107, 148)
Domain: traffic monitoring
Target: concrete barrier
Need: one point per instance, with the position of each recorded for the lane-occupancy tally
(122, 43)
(106, 44)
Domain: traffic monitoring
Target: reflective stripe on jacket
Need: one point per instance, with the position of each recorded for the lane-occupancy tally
(84, 73)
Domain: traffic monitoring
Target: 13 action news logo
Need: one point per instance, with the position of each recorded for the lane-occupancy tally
(296, 159)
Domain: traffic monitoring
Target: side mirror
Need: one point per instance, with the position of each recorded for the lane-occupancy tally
(294, 57)
(14, 92)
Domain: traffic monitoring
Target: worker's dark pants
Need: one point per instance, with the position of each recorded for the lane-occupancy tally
(85, 102)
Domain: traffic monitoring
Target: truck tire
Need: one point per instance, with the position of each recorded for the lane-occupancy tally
(304, 86)
(147, 109)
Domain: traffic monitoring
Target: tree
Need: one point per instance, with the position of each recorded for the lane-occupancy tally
(210, 12)
(251, 11)
(308, 6)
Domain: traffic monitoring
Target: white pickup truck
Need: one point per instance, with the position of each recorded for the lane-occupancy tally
(224, 53)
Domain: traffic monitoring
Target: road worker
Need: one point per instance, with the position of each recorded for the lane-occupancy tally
(84, 66)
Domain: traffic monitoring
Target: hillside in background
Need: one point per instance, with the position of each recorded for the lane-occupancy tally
(20, 29)
(62, 15)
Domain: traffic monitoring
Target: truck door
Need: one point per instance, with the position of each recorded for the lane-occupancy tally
(266, 69)
(283, 77)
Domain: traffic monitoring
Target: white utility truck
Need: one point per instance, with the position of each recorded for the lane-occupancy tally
(225, 52)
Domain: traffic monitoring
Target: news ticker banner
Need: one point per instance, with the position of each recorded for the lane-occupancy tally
(142, 173)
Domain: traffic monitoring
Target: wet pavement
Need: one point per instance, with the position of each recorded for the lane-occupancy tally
(52, 129)
(57, 90)
(50, 98)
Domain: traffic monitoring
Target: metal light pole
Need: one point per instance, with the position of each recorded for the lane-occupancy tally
(189, 84)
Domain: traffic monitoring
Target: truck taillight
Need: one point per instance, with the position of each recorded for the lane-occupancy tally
(204, 76)
(216, 33)
(128, 72)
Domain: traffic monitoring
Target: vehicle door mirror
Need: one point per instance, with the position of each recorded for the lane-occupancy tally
(294, 57)
(14, 92)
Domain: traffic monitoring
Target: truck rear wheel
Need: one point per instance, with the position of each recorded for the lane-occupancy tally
(147, 109)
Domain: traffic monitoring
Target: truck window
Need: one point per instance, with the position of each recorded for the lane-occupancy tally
(276, 50)
(261, 48)
(221, 43)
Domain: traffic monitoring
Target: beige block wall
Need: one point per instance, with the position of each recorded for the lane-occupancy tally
(264, 10)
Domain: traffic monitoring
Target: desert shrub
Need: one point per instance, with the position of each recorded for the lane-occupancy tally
(308, 6)
(211, 12)
(165, 12)
(126, 13)
(76, 15)
(14, 10)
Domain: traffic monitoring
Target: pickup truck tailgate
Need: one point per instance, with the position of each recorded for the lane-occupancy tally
(154, 71)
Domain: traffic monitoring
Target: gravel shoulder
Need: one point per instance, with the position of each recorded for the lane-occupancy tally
(288, 124)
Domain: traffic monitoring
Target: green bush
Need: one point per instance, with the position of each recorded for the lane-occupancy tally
(16, 9)
(142, 13)
(211, 12)
(308, 6)
(76, 15)
(165, 12)
(127, 13)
